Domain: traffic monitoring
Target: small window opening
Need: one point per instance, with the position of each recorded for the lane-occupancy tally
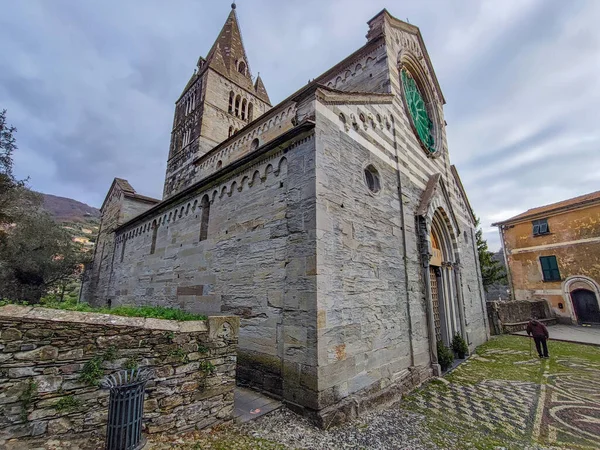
(372, 179)
(244, 109)
(250, 111)
(231, 97)
(242, 67)
(154, 236)
(205, 204)
(123, 250)
(540, 227)
(254, 145)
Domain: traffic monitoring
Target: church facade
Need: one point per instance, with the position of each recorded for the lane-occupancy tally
(332, 223)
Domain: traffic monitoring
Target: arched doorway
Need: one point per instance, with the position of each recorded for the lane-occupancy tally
(442, 279)
(586, 306)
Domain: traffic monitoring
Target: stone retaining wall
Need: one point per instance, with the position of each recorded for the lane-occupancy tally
(516, 314)
(43, 356)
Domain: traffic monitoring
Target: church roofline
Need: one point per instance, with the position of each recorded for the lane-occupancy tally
(413, 29)
(303, 127)
(463, 192)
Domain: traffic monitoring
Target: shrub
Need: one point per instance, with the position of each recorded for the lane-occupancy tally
(445, 356)
(92, 371)
(67, 403)
(27, 396)
(459, 346)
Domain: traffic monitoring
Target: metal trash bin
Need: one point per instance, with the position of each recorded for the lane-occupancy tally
(126, 408)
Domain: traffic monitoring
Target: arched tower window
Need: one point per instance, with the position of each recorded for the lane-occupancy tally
(230, 132)
(242, 67)
(154, 236)
(250, 111)
(231, 97)
(244, 109)
(205, 204)
(237, 106)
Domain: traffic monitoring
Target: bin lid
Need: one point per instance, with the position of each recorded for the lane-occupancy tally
(124, 378)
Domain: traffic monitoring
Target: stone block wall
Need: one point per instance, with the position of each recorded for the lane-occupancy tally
(44, 352)
(507, 317)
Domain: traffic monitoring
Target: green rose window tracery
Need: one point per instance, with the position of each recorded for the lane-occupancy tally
(418, 111)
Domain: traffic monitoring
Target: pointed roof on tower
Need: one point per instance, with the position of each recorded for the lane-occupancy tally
(261, 91)
(227, 55)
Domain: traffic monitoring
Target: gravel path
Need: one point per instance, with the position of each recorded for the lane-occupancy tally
(388, 429)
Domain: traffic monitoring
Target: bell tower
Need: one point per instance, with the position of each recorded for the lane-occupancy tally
(220, 98)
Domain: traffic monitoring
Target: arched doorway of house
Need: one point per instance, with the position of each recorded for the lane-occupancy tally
(586, 306)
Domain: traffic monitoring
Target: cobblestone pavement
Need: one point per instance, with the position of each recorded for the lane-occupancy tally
(500, 398)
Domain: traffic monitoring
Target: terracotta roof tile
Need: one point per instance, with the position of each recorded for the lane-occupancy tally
(554, 207)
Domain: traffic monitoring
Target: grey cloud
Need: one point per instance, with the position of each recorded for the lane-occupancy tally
(91, 86)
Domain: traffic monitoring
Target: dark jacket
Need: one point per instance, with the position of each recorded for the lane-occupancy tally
(537, 329)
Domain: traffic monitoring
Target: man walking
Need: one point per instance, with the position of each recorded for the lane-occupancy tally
(540, 335)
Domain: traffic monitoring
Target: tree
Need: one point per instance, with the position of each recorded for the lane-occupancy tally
(37, 255)
(15, 198)
(491, 270)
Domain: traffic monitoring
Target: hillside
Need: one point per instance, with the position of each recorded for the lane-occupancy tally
(81, 220)
(68, 210)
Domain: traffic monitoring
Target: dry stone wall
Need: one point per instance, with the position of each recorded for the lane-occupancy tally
(45, 353)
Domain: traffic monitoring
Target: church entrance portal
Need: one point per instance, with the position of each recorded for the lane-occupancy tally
(586, 307)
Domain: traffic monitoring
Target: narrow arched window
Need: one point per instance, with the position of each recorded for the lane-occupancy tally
(230, 132)
(154, 236)
(237, 106)
(250, 111)
(242, 67)
(244, 109)
(231, 96)
(205, 204)
(123, 249)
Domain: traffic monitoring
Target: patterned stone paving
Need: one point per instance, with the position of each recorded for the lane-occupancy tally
(490, 404)
(561, 409)
(570, 405)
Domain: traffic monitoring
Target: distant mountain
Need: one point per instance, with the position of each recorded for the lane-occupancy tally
(68, 210)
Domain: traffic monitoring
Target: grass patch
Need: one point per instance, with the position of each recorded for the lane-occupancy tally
(155, 312)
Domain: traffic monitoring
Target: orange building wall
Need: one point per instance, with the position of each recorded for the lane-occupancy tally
(574, 258)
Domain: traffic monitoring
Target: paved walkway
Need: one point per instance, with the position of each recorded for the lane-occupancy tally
(250, 404)
(501, 397)
(572, 333)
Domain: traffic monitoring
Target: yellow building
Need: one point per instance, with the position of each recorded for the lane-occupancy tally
(553, 253)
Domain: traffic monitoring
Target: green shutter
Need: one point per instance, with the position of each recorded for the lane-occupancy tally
(550, 268)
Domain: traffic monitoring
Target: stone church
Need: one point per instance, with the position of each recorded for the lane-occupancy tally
(332, 223)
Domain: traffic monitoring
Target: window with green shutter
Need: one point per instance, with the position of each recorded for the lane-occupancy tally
(550, 268)
(540, 227)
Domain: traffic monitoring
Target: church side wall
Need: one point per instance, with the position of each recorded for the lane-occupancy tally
(363, 320)
(257, 262)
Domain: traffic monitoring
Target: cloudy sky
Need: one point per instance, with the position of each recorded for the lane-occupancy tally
(91, 85)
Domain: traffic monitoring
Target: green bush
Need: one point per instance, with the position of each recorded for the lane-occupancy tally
(67, 403)
(459, 346)
(92, 371)
(445, 356)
